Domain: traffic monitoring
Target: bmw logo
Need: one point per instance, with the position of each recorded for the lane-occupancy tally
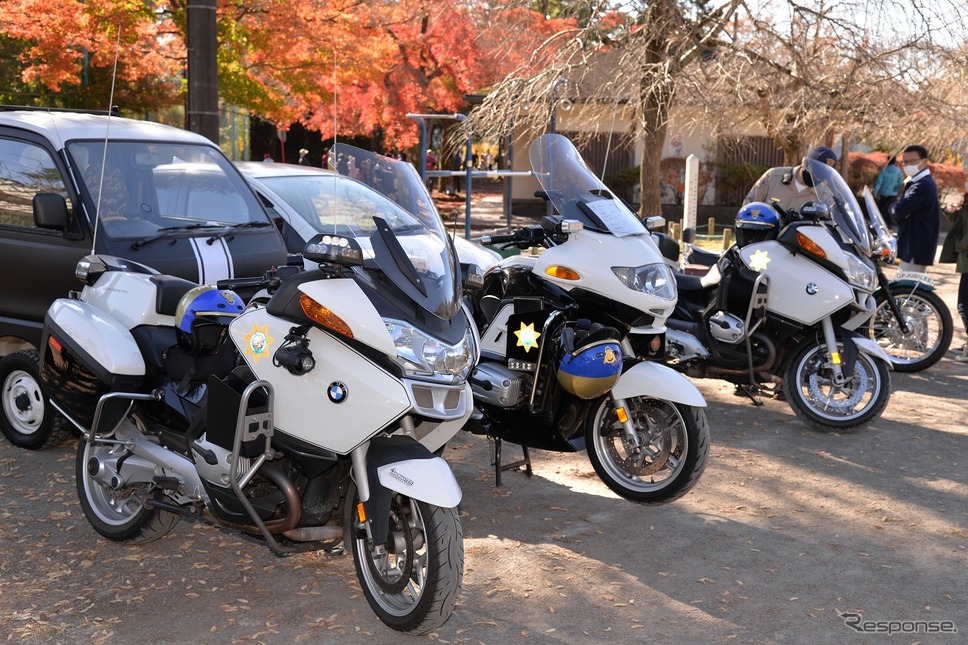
(337, 392)
(812, 289)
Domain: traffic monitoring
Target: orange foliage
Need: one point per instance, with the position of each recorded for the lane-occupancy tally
(362, 65)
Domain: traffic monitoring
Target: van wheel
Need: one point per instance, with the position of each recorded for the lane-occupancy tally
(28, 420)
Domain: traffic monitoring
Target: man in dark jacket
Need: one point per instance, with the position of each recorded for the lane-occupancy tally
(917, 213)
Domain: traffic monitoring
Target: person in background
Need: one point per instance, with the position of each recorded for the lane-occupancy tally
(887, 187)
(790, 186)
(325, 159)
(917, 213)
(304, 157)
(267, 158)
(431, 165)
(955, 250)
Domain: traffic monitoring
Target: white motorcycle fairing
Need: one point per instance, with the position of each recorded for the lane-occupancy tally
(596, 254)
(345, 389)
(657, 381)
(809, 292)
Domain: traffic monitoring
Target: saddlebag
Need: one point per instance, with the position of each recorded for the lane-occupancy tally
(74, 380)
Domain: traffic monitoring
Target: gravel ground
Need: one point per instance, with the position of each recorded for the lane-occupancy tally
(791, 536)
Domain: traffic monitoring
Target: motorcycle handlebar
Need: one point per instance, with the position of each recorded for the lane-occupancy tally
(270, 280)
(521, 238)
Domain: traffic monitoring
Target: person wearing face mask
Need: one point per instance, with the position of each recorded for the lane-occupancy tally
(917, 213)
(792, 187)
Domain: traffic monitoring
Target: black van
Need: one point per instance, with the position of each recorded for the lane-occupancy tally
(74, 183)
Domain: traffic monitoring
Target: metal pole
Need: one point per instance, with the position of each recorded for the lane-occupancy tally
(554, 102)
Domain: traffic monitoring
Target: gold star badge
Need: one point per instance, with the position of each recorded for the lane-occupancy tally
(527, 337)
(257, 342)
(759, 260)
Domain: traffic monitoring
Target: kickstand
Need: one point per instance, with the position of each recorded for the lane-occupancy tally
(752, 391)
(496, 460)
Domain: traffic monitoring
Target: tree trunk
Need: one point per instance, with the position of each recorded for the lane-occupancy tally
(656, 99)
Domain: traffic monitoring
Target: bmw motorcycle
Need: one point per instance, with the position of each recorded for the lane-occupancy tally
(560, 332)
(911, 322)
(789, 309)
(309, 418)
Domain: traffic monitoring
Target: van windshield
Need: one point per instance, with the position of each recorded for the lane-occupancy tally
(151, 187)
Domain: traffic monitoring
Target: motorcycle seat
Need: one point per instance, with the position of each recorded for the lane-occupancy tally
(691, 283)
(169, 291)
(699, 255)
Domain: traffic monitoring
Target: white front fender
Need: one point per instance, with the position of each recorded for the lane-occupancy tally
(659, 382)
(870, 346)
(429, 480)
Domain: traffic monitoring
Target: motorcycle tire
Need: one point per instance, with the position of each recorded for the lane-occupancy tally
(413, 586)
(28, 420)
(119, 515)
(674, 448)
(825, 407)
(929, 322)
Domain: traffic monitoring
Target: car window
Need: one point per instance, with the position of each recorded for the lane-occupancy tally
(25, 170)
(146, 187)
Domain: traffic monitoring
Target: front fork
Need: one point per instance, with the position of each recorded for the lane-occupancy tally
(885, 286)
(631, 434)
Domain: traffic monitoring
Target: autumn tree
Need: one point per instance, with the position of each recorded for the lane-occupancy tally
(626, 56)
(62, 53)
(337, 66)
(807, 72)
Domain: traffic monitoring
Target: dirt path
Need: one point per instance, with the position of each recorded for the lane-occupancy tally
(791, 536)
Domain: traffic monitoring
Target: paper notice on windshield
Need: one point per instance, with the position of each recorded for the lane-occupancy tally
(619, 220)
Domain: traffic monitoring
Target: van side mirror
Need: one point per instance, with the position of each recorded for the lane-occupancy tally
(50, 211)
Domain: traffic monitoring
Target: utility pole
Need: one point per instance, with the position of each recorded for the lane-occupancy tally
(201, 114)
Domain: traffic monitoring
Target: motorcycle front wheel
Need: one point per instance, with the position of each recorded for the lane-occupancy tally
(413, 581)
(673, 445)
(825, 406)
(119, 514)
(929, 323)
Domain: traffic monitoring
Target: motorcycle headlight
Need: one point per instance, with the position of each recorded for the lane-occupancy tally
(654, 279)
(424, 357)
(859, 273)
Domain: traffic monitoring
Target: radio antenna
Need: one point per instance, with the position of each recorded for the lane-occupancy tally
(335, 65)
(104, 153)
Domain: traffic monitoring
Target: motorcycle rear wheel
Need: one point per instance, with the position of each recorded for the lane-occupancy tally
(413, 586)
(829, 408)
(119, 515)
(674, 446)
(929, 323)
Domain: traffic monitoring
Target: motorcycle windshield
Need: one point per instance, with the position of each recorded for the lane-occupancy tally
(844, 210)
(389, 212)
(879, 226)
(575, 191)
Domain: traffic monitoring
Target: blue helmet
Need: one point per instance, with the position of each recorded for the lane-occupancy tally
(203, 315)
(756, 222)
(591, 370)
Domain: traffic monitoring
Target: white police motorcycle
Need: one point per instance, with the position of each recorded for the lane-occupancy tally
(785, 305)
(309, 420)
(561, 330)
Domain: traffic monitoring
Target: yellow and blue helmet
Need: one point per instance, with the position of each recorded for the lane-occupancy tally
(591, 370)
